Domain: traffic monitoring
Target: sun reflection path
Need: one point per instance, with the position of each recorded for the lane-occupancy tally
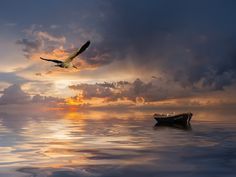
(69, 138)
(59, 139)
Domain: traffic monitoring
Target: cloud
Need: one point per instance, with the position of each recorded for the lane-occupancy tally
(38, 42)
(136, 91)
(11, 77)
(194, 50)
(30, 46)
(45, 35)
(176, 41)
(45, 99)
(15, 95)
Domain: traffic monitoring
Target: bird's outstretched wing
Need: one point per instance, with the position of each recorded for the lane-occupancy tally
(76, 53)
(55, 61)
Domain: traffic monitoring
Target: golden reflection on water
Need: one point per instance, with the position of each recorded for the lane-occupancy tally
(70, 138)
(89, 138)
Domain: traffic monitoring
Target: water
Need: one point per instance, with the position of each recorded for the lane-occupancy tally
(114, 144)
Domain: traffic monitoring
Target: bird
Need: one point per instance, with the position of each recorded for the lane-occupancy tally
(67, 63)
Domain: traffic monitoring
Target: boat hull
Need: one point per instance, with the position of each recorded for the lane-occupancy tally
(183, 119)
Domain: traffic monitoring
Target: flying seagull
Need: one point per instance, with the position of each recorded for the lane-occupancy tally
(68, 61)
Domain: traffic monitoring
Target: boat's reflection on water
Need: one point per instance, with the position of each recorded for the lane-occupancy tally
(186, 127)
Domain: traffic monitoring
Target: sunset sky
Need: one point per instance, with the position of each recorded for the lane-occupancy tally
(149, 53)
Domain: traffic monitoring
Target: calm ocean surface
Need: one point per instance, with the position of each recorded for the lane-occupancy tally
(115, 144)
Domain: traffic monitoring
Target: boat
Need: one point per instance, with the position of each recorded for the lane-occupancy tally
(172, 119)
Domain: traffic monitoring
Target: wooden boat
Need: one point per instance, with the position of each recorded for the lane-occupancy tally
(165, 119)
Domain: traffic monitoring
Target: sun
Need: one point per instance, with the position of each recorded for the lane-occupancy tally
(74, 101)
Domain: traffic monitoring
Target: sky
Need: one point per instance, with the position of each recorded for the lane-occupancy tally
(142, 53)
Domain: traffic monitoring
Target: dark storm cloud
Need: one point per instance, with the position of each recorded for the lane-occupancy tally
(193, 41)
